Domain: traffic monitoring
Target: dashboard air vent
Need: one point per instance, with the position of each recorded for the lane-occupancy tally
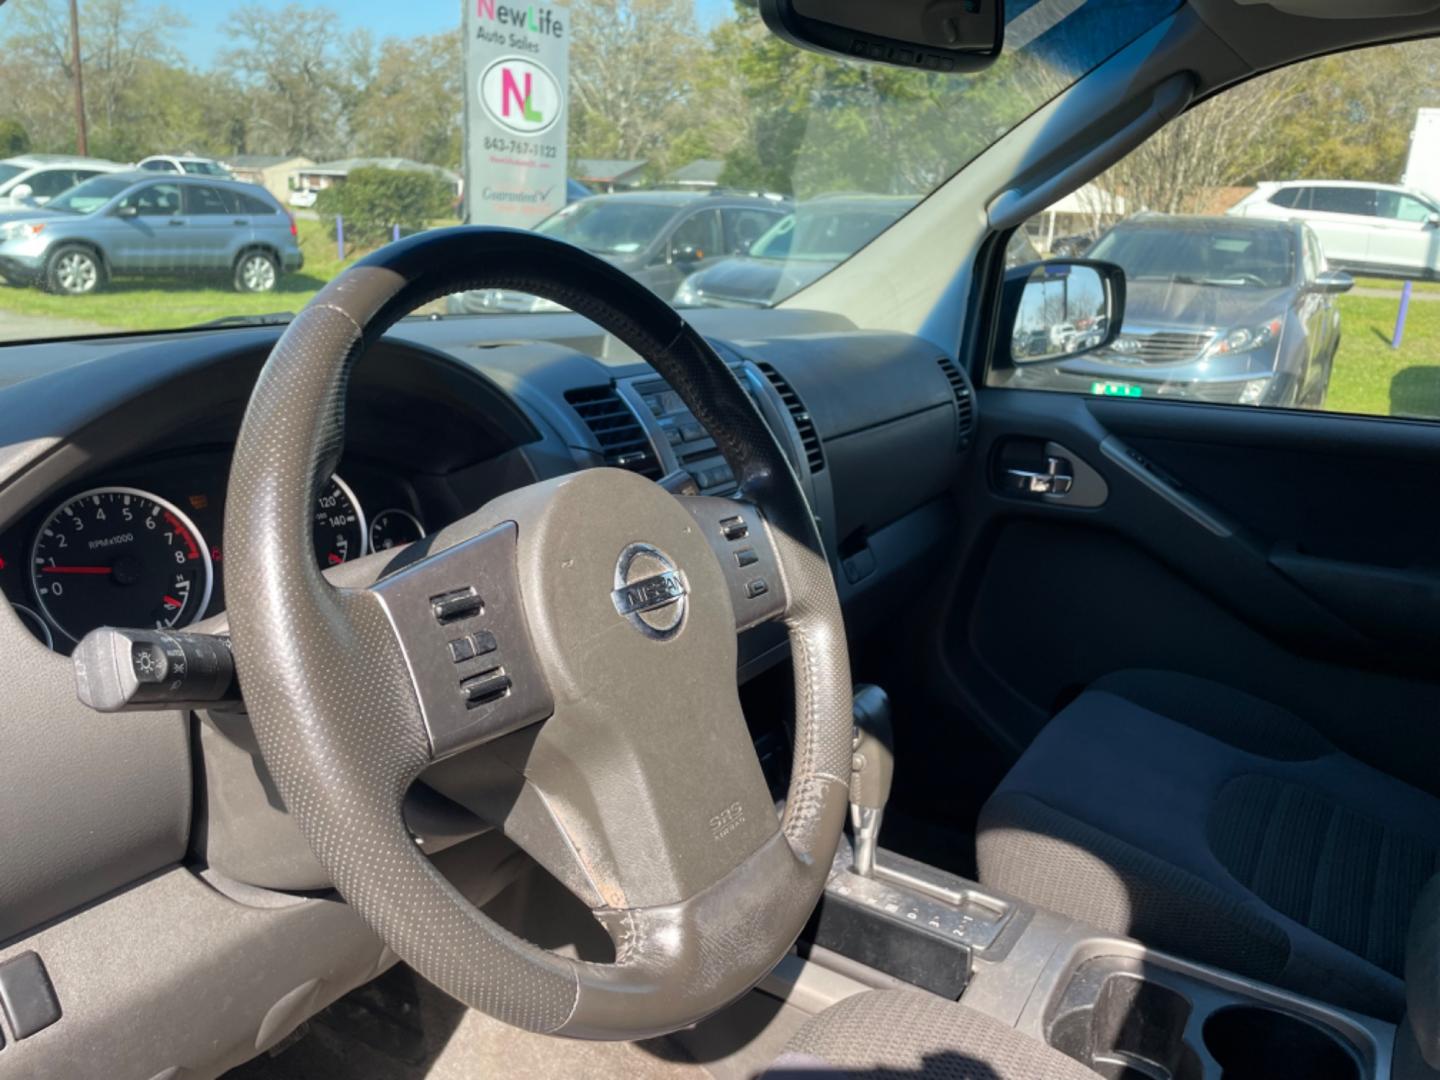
(621, 437)
(814, 452)
(964, 402)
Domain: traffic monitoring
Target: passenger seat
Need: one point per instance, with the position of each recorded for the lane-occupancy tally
(1208, 823)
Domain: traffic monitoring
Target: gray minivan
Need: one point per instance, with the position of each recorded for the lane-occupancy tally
(139, 223)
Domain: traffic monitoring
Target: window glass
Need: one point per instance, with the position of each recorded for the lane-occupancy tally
(1258, 236)
(51, 182)
(206, 200)
(608, 226)
(158, 166)
(1344, 200)
(698, 236)
(1401, 207)
(249, 204)
(743, 227)
(154, 200)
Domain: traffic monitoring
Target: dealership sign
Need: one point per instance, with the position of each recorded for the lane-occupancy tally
(516, 71)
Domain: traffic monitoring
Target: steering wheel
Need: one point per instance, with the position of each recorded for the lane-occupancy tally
(603, 703)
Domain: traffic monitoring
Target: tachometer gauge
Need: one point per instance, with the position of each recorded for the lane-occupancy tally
(339, 525)
(394, 528)
(119, 557)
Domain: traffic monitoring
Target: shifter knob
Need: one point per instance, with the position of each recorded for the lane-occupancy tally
(872, 768)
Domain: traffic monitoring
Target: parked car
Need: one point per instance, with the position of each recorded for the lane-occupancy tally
(185, 163)
(1382, 229)
(1217, 309)
(798, 249)
(139, 223)
(1069, 247)
(31, 180)
(658, 237)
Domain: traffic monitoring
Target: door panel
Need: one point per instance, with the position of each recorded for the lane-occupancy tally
(1290, 554)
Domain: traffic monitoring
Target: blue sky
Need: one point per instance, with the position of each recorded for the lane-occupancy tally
(385, 18)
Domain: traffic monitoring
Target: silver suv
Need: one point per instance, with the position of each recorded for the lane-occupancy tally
(31, 180)
(1373, 228)
(140, 223)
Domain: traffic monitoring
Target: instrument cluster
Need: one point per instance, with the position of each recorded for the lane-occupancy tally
(144, 549)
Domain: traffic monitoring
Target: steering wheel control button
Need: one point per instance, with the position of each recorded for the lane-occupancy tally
(757, 588)
(488, 686)
(734, 528)
(650, 591)
(499, 687)
(456, 605)
(746, 557)
(27, 996)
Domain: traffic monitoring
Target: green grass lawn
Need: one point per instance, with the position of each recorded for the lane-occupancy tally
(1372, 378)
(1395, 284)
(167, 303)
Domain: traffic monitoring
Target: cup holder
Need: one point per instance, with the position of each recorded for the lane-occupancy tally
(1250, 1043)
(1134, 1031)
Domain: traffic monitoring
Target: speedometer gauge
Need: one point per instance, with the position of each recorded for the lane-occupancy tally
(119, 557)
(339, 525)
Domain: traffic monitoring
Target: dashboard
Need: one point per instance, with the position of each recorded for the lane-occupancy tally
(433, 430)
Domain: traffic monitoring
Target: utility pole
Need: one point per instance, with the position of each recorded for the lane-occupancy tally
(82, 141)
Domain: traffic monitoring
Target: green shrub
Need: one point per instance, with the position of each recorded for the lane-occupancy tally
(14, 139)
(373, 201)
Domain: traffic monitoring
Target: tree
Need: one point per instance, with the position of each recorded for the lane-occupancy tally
(1222, 142)
(410, 105)
(292, 67)
(373, 201)
(632, 64)
(14, 139)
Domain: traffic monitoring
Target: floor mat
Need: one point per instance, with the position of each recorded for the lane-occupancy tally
(400, 1027)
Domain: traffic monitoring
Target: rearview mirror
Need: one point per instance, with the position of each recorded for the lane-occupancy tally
(22, 193)
(1059, 309)
(935, 35)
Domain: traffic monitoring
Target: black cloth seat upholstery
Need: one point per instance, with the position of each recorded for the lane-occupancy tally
(1208, 823)
(906, 1035)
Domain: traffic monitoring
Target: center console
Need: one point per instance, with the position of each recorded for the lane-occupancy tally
(1117, 1007)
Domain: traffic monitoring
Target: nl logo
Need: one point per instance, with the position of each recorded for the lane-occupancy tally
(520, 95)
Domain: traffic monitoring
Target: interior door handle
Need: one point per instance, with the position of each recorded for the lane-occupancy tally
(1057, 479)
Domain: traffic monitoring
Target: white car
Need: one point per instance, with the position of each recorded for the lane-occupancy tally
(1374, 228)
(184, 163)
(304, 198)
(32, 180)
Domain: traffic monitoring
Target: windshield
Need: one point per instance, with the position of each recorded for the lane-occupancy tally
(91, 195)
(9, 172)
(827, 234)
(371, 121)
(1241, 258)
(608, 227)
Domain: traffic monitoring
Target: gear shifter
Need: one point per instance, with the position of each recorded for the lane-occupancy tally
(872, 767)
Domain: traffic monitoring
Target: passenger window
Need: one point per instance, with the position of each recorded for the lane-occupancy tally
(251, 205)
(156, 200)
(206, 200)
(1401, 207)
(1266, 238)
(51, 182)
(1344, 200)
(696, 238)
(158, 166)
(743, 227)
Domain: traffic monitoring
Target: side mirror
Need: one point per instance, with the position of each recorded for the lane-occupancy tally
(22, 193)
(1059, 309)
(1334, 282)
(128, 211)
(1433, 220)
